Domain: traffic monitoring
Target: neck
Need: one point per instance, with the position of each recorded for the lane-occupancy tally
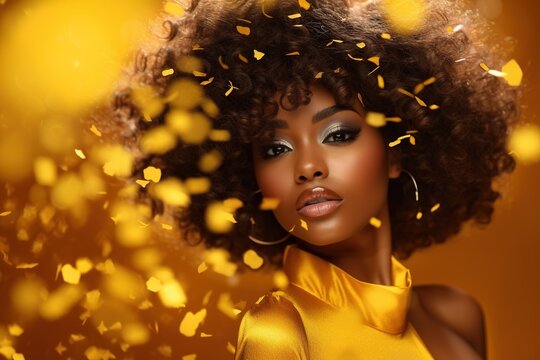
(365, 256)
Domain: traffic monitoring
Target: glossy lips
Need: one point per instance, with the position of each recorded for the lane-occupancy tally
(317, 202)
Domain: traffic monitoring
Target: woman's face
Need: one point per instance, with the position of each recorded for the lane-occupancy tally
(324, 146)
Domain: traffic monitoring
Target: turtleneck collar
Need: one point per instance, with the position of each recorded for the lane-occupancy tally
(383, 307)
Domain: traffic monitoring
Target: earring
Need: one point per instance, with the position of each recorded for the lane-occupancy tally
(419, 213)
(261, 242)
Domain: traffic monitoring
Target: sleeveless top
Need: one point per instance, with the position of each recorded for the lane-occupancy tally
(326, 314)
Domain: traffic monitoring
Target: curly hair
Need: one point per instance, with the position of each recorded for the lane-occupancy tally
(460, 118)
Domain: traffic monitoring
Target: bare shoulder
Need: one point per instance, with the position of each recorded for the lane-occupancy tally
(457, 310)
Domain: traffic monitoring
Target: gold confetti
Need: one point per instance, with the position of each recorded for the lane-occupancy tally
(95, 130)
(153, 174)
(202, 267)
(375, 119)
(264, 10)
(375, 60)
(243, 58)
(252, 259)
(5, 213)
(395, 119)
(218, 218)
(420, 101)
(60, 348)
(198, 185)
(230, 347)
(361, 45)
(334, 41)
(380, 81)
(172, 295)
(196, 47)
(80, 153)
(207, 82)
(269, 203)
(219, 135)
(435, 207)
(244, 20)
(26, 266)
(197, 73)
(142, 183)
(244, 30)
(294, 16)
(15, 330)
(70, 274)
(405, 92)
(153, 284)
(258, 54)
(524, 142)
(116, 160)
(419, 215)
(17, 356)
(231, 88)
(514, 74)
(386, 36)
(484, 67)
(158, 140)
(355, 58)
(223, 65)
(280, 279)
(210, 161)
(191, 321)
(172, 191)
(167, 72)
(45, 171)
(84, 265)
(60, 302)
(375, 222)
(303, 224)
(304, 4)
(294, 53)
(406, 17)
(434, 107)
(319, 75)
(135, 334)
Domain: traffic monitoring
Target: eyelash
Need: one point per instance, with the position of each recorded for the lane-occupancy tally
(352, 132)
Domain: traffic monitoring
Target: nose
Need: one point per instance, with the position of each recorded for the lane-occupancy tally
(310, 165)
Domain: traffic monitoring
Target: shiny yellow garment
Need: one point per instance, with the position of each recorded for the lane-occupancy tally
(325, 313)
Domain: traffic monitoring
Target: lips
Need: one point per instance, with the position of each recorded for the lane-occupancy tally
(317, 194)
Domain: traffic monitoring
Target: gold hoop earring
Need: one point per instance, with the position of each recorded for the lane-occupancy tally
(416, 194)
(261, 242)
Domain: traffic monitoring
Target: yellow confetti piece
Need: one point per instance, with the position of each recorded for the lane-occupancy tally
(243, 58)
(95, 130)
(280, 279)
(80, 153)
(304, 4)
(222, 64)
(406, 17)
(244, 30)
(419, 215)
(167, 72)
(197, 73)
(394, 143)
(375, 119)
(5, 213)
(198, 185)
(45, 171)
(142, 183)
(380, 81)
(203, 334)
(334, 41)
(514, 73)
(303, 224)
(230, 347)
(196, 47)
(435, 207)
(173, 8)
(189, 357)
(375, 222)
(158, 140)
(361, 45)
(210, 161)
(434, 107)
(294, 16)
(207, 82)
(524, 142)
(412, 140)
(15, 330)
(116, 160)
(258, 54)
(231, 88)
(405, 92)
(172, 191)
(202, 267)
(26, 266)
(244, 20)
(484, 67)
(395, 119)
(60, 348)
(269, 203)
(84, 265)
(153, 284)
(17, 356)
(70, 274)
(191, 321)
(153, 174)
(375, 60)
(135, 334)
(386, 36)
(355, 58)
(294, 53)
(319, 75)
(166, 227)
(219, 135)
(420, 101)
(60, 302)
(218, 218)
(252, 259)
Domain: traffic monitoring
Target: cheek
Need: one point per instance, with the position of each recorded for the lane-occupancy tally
(271, 179)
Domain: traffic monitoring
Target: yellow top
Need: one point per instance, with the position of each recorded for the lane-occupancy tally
(325, 313)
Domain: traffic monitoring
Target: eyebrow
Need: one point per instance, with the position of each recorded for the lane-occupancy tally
(319, 116)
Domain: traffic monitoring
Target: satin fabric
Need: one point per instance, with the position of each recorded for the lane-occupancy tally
(326, 314)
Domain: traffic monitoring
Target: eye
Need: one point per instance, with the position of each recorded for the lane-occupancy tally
(273, 150)
(342, 135)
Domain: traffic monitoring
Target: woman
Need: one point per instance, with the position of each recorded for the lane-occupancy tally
(367, 142)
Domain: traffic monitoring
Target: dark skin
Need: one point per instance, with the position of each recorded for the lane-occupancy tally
(338, 150)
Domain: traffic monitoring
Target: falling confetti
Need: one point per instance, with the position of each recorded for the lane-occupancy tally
(405, 16)
(375, 222)
(524, 142)
(153, 174)
(173, 8)
(435, 207)
(191, 322)
(252, 259)
(244, 30)
(269, 203)
(258, 54)
(167, 72)
(304, 4)
(303, 224)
